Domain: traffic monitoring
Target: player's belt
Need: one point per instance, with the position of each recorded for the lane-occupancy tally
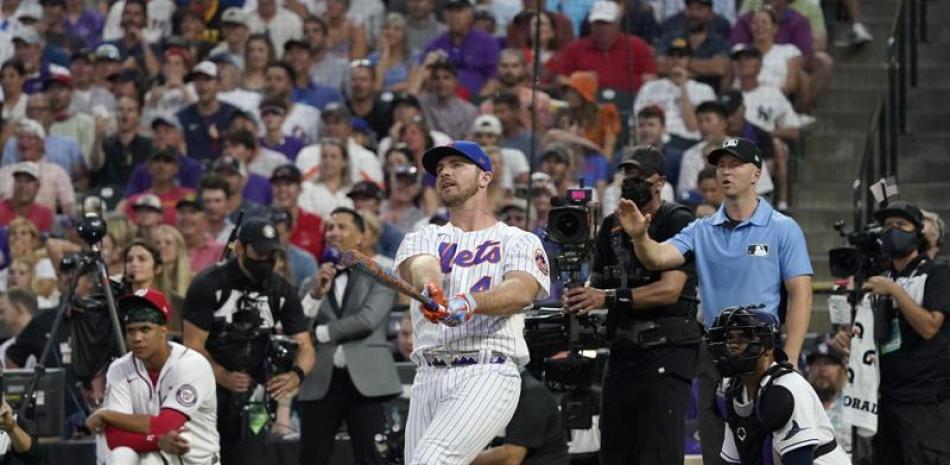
(456, 359)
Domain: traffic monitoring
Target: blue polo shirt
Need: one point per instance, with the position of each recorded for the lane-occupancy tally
(203, 144)
(745, 264)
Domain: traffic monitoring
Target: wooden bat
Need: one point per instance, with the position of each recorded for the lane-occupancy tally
(356, 261)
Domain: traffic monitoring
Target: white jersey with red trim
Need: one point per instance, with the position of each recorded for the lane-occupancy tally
(185, 384)
(475, 261)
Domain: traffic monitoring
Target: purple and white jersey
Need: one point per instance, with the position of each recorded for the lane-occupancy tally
(474, 262)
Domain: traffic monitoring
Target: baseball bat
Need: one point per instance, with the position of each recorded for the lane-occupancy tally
(356, 261)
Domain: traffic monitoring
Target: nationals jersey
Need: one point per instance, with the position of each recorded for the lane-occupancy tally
(474, 262)
(186, 384)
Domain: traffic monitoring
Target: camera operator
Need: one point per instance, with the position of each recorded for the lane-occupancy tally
(914, 404)
(746, 253)
(653, 332)
(231, 311)
(16, 444)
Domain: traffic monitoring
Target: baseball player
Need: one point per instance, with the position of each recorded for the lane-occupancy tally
(160, 405)
(469, 350)
(772, 414)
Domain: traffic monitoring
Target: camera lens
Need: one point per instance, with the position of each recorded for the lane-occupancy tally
(568, 225)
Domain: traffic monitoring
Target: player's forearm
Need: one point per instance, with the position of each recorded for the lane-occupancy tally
(655, 255)
(799, 315)
(502, 455)
(513, 295)
(424, 269)
(131, 423)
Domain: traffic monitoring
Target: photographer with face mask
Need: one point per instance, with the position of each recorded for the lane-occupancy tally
(914, 403)
(231, 311)
(651, 323)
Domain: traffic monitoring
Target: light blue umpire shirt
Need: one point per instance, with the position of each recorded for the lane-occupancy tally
(746, 263)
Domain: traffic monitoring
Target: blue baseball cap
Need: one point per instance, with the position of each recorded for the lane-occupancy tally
(463, 148)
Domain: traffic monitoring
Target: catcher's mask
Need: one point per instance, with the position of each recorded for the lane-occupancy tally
(739, 336)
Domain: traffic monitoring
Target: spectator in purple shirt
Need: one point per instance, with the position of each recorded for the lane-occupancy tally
(793, 28)
(253, 190)
(473, 53)
(273, 112)
(168, 136)
(84, 23)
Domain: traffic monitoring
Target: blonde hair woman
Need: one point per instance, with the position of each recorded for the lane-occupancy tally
(177, 267)
(329, 190)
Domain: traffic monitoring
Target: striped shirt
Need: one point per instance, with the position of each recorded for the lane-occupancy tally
(473, 262)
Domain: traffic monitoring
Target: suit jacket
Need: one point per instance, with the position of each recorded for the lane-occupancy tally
(361, 331)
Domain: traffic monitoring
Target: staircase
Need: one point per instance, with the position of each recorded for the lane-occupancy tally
(822, 186)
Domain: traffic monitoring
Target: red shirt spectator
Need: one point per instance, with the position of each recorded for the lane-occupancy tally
(40, 215)
(308, 233)
(622, 62)
(204, 255)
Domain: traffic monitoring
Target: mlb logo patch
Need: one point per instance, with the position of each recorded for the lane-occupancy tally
(758, 250)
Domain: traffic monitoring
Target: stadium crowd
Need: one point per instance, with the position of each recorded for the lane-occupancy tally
(178, 119)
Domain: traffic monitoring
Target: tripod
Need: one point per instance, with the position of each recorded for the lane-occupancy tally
(87, 262)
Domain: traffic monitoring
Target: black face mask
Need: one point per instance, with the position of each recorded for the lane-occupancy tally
(898, 243)
(640, 191)
(260, 269)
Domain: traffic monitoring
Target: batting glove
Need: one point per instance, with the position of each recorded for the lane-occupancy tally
(438, 295)
(459, 309)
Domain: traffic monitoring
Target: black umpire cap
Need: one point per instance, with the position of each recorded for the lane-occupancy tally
(743, 149)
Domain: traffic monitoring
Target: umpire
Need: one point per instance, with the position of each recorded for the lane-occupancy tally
(654, 336)
(231, 311)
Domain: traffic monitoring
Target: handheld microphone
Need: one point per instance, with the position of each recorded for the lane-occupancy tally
(331, 255)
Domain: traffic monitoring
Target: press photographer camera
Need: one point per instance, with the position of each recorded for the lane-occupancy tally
(233, 314)
(651, 325)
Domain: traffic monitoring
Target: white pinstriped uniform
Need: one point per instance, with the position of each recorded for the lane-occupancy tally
(455, 412)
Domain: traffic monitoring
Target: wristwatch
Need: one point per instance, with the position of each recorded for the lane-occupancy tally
(610, 298)
(299, 372)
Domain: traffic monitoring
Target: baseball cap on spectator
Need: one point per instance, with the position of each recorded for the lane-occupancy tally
(558, 151)
(228, 164)
(458, 4)
(148, 202)
(58, 75)
(512, 204)
(708, 3)
(336, 111)
(108, 52)
(163, 155)
(296, 43)
(585, 83)
(27, 35)
(730, 100)
(235, 16)
(162, 119)
(222, 59)
(181, 52)
(260, 234)
(679, 47)
(275, 106)
(405, 98)
(190, 201)
(902, 209)
(29, 168)
(288, 172)
(29, 10)
(745, 50)
(83, 54)
(53, 2)
(205, 68)
(30, 126)
(366, 189)
(647, 158)
(824, 351)
(463, 148)
(483, 13)
(145, 306)
(543, 184)
(604, 10)
(487, 124)
(281, 216)
(743, 149)
(361, 126)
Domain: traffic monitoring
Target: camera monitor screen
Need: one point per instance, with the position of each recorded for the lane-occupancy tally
(50, 396)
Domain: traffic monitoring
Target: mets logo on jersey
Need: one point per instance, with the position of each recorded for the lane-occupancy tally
(450, 255)
(541, 261)
(187, 395)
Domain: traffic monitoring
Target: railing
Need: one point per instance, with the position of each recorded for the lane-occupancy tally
(889, 118)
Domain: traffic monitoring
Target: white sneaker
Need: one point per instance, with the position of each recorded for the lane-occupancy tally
(860, 34)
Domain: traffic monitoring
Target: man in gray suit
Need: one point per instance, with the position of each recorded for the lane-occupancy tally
(355, 371)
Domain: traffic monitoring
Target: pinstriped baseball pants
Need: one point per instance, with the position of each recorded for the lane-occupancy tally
(455, 412)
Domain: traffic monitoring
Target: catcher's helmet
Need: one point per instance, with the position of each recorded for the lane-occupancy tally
(739, 336)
